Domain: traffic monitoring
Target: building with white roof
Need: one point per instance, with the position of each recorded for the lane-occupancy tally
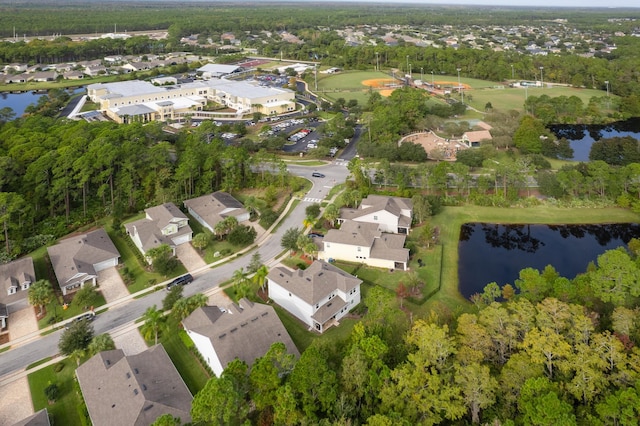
(137, 100)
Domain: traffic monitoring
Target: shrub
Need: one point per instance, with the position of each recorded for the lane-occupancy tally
(52, 392)
(58, 367)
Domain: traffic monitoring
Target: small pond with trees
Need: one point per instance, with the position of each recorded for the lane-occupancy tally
(490, 252)
(581, 137)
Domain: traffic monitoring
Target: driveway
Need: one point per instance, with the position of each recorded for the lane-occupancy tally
(131, 342)
(22, 323)
(15, 401)
(111, 284)
(189, 257)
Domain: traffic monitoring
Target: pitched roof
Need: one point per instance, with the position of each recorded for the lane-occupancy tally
(477, 135)
(39, 418)
(213, 208)
(13, 274)
(314, 283)
(79, 254)
(245, 331)
(149, 229)
(390, 247)
(133, 390)
(354, 233)
(374, 203)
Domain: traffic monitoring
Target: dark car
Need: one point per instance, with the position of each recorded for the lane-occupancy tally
(315, 235)
(318, 175)
(183, 280)
(87, 316)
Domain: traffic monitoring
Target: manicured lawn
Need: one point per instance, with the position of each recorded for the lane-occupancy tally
(66, 410)
(187, 364)
(72, 310)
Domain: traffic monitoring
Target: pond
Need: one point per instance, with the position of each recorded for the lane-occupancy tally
(491, 252)
(581, 137)
(18, 102)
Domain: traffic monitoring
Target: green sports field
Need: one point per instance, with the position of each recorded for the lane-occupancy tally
(349, 85)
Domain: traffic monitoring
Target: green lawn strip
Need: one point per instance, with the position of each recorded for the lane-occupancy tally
(450, 220)
(193, 373)
(37, 363)
(65, 409)
(129, 257)
(57, 309)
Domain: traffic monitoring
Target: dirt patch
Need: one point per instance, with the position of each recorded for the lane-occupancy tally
(386, 86)
(452, 84)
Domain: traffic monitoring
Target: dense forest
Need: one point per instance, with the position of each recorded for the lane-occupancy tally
(551, 351)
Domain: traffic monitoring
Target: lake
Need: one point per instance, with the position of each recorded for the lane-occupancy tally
(491, 252)
(581, 137)
(18, 102)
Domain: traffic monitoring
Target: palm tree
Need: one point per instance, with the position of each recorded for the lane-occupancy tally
(200, 241)
(331, 213)
(154, 322)
(219, 229)
(78, 354)
(40, 294)
(100, 343)
(260, 277)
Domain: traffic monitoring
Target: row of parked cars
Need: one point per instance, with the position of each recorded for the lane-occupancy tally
(299, 135)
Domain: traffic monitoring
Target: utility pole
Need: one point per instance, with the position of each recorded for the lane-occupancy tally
(460, 87)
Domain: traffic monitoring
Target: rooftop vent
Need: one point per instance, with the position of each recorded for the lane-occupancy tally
(222, 335)
(234, 329)
(135, 370)
(264, 314)
(135, 391)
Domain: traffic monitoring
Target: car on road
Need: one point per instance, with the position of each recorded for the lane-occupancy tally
(315, 235)
(87, 316)
(183, 280)
(318, 175)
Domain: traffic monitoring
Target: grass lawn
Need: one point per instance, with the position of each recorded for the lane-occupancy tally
(451, 218)
(66, 410)
(57, 309)
(188, 365)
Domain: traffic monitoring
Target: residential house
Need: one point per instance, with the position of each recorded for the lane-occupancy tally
(363, 242)
(245, 331)
(39, 418)
(133, 390)
(42, 76)
(391, 214)
(210, 209)
(163, 224)
(73, 75)
(77, 260)
(319, 296)
(15, 279)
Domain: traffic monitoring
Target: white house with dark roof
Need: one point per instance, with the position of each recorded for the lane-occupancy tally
(133, 390)
(210, 209)
(77, 260)
(163, 224)
(245, 331)
(319, 296)
(391, 214)
(364, 242)
(15, 279)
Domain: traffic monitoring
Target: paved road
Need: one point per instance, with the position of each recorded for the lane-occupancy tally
(18, 358)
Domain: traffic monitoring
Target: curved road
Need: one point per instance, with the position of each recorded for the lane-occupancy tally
(18, 358)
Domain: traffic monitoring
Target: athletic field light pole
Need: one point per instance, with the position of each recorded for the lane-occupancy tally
(377, 62)
(607, 84)
(460, 87)
(433, 85)
(407, 63)
(541, 78)
(422, 77)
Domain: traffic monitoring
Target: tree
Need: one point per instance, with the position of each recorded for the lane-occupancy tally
(617, 276)
(223, 400)
(86, 296)
(10, 204)
(154, 323)
(185, 306)
(40, 294)
(401, 292)
(331, 213)
(167, 420)
(100, 343)
(540, 404)
(255, 263)
(478, 388)
(242, 235)
(175, 294)
(260, 276)
(547, 348)
(52, 392)
(76, 338)
(268, 373)
(290, 239)
(200, 241)
(162, 259)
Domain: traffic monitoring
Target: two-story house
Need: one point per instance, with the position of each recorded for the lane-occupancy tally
(319, 296)
(15, 279)
(391, 214)
(364, 242)
(163, 224)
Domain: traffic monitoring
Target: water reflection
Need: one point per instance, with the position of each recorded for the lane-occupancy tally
(492, 252)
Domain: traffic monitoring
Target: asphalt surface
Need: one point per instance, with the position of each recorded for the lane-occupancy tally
(20, 357)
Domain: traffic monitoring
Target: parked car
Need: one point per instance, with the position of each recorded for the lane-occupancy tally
(183, 280)
(87, 316)
(318, 175)
(315, 235)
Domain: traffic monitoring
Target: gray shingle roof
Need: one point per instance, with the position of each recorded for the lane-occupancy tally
(314, 283)
(150, 228)
(213, 208)
(133, 390)
(374, 203)
(354, 233)
(39, 418)
(13, 274)
(79, 254)
(245, 331)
